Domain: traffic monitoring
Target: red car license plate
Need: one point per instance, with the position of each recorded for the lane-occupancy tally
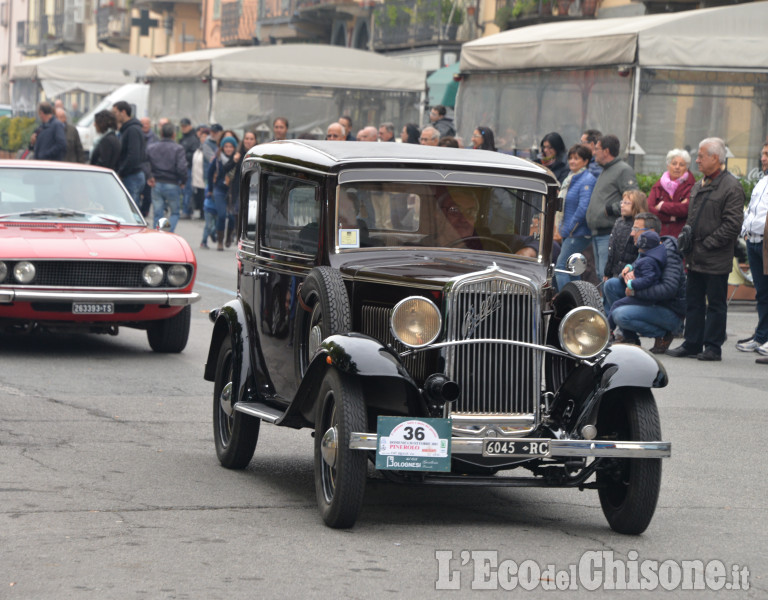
(533, 447)
(93, 308)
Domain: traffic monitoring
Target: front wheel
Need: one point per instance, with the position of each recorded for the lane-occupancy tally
(234, 433)
(339, 471)
(629, 488)
(170, 335)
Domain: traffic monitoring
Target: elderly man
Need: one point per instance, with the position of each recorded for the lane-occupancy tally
(605, 205)
(715, 214)
(387, 132)
(336, 132)
(51, 139)
(75, 152)
(753, 231)
(368, 134)
(429, 136)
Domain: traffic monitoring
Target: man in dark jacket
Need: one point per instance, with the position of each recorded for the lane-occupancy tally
(440, 122)
(168, 163)
(75, 152)
(715, 214)
(132, 150)
(51, 141)
(662, 316)
(190, 143)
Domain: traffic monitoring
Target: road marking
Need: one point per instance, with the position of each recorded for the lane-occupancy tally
(216, 287)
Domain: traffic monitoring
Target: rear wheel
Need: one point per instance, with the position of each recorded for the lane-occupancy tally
(170, 335)
(629, 488)
(339, 471)
(234, 433)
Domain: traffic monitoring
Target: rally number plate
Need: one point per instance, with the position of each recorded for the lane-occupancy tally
(531, 448)
(93, 308)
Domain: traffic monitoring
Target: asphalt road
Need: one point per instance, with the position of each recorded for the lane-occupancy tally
(110, 488)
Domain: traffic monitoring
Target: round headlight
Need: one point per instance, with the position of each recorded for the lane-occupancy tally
(24, 271)
(3, 271)
(416, 321)
(177, 275)
(584, 332)
(152, 275)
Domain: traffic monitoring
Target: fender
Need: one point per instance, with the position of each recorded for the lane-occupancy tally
(387, 386)
(625, 365)
(232, 320)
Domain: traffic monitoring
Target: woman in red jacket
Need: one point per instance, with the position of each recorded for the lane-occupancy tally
(669, 195)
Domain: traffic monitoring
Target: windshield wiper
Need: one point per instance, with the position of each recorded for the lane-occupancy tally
(58, 212)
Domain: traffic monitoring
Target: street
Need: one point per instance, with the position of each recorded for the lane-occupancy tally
(110, 486)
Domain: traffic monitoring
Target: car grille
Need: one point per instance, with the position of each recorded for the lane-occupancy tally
(493, 378)
(87, 274)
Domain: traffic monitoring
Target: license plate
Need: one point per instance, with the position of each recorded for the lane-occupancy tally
(93, 308)
(533, 447)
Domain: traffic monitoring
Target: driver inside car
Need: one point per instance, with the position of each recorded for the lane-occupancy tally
(460, 207)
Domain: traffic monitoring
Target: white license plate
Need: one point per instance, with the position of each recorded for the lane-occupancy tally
(532, 447)
(93, 308)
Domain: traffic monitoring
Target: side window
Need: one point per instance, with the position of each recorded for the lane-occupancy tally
(252, 206)
(292, 215)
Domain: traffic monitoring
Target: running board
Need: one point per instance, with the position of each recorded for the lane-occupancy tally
(260, 411)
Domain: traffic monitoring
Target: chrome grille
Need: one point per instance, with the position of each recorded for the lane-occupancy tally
(87, 274)
(493, 378)
(376, 323)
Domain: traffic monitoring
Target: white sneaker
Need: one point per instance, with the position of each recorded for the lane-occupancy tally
(763, 349)
(749, 346)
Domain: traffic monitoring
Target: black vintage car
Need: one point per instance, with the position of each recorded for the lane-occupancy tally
(398, 300)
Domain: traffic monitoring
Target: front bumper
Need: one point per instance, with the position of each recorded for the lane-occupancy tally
(162, 298)
(557, 448)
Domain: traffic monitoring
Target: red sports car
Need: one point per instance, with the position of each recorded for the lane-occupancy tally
(75, 252)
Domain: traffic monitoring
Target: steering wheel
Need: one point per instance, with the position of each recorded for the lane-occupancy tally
(484, 239)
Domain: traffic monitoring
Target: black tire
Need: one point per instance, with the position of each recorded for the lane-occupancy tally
(170, 335)
(573, 295)
(324, 294)
(235, 434)
(629, 487)
(340, 487)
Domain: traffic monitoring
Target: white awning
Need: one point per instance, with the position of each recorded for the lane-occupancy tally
(731, 37)
(97, 73)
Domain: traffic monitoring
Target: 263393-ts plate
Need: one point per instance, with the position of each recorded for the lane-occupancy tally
(517, 447)
(93, 308)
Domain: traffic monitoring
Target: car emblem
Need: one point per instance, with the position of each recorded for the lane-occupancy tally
(93, 254)
(473, 318)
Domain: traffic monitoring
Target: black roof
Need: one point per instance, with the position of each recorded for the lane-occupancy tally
(326, 155)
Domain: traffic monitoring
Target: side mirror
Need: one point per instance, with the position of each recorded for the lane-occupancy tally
(165, 225)
(575, 265)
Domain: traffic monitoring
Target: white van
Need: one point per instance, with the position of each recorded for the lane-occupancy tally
(135, 94)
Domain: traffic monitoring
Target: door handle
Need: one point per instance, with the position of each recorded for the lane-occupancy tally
(257, 273)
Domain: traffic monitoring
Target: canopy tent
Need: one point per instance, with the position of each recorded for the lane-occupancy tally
(656, 81)
(442, 86)
(94, 73)
(307, 83)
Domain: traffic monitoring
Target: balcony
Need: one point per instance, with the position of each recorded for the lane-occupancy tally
(412, 23)
(511, 14)
(113, 27)
(238, 22)
(38, 38)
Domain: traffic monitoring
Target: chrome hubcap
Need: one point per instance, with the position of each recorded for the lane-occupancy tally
(315, 337)
(329, 447)
(225, 399)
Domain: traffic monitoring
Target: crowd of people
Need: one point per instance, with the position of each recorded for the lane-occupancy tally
(654, 285)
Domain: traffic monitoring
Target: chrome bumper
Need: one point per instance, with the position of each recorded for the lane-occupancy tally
(170, 298)
(557, 448)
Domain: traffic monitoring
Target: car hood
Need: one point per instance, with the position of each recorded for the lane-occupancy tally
(431, 269)
(65, 241)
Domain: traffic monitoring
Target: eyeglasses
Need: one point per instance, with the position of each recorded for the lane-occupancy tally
(636, 229)
(626, 202)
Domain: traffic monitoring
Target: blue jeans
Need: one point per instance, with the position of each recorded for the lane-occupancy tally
(166, 195)
(220, 199)
(600, 248)
(646, 320)
(186, 205)
(571, 245)
(134, 183)
(613, 290)
(755, 255)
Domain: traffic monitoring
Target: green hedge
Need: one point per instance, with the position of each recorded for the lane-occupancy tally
(15, 132)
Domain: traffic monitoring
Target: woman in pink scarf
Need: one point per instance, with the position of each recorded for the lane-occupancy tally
(669, 195)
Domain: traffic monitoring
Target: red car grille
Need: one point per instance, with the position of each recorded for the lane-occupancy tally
(86, 274)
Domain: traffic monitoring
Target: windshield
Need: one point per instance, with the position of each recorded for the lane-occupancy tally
(65, 195)
(394, 214)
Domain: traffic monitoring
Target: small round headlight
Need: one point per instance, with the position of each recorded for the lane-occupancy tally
(584, 332)
(177, 275)
(416, 321)
(24, 271)
(152, 275)
(3, 271)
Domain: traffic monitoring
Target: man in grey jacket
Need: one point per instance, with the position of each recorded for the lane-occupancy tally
(168, 163)
(605, 205)
(715, 214)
